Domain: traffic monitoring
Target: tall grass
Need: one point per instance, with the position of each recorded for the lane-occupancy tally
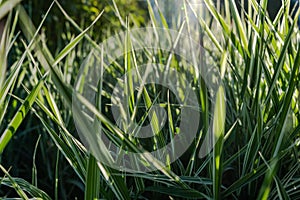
(256, 156)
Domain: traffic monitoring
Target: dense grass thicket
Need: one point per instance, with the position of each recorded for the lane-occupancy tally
(252, 107)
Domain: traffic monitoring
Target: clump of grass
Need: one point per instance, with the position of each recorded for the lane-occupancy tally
(256, 156)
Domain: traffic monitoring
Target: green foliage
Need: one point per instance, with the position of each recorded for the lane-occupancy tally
(256, 157)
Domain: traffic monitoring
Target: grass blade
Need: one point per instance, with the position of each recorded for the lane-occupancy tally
(92, 183)
(20, 115)
(18, 189)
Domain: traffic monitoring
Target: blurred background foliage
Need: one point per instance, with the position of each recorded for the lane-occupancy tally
(83, 12)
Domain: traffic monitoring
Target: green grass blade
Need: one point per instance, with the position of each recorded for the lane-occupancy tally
(242, 181)
(280, 132)
(74, 42)
(26, 187)
(20, 115)
(238, 22)
(18, 189)
(3, 51)
(280, 62)
(205, 27)
(92, 183)
(116, 184)
(218, 131)
(67, 151)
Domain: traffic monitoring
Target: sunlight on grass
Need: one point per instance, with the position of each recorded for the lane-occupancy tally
(235, 71)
